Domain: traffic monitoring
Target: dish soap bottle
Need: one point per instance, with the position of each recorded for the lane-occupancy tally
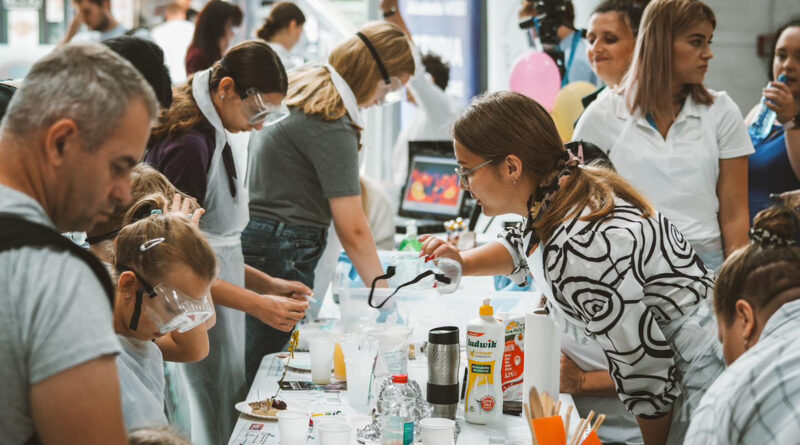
(410, 242)
(485, 335)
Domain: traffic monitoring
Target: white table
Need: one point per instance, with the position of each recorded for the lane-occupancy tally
(508, 429)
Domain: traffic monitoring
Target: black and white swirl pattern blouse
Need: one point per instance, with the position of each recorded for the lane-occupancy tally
(629, 283)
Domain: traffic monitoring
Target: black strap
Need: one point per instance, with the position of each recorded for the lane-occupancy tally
(390, 272)
(230, 167)
(377, 57)
(16, 232)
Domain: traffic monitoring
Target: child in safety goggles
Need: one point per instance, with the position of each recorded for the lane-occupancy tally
(163, 270)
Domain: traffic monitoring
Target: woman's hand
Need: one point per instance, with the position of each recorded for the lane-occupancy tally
(294, 289)
(281, 313)
(183, 206)
(781, 101)
(571, 377)
(433, 248)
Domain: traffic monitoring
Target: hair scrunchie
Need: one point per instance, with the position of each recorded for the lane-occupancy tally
(768, 239)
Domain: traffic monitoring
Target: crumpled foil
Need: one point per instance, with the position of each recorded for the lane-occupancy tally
(422, 409)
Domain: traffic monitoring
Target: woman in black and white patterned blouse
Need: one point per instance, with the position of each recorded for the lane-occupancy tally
(613, 267)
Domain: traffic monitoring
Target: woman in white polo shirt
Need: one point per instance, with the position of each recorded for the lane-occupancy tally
(684, 146)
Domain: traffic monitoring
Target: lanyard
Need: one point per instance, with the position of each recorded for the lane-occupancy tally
(576, 37)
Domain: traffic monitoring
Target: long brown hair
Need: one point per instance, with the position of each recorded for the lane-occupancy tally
(647, 85)
(250, 64)
(499, 124)
(766, 272)
(211, 25)
(312, 90)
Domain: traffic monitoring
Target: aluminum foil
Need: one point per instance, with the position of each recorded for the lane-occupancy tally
(422, 409)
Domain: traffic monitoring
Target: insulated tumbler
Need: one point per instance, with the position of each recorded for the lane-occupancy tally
(443, 364)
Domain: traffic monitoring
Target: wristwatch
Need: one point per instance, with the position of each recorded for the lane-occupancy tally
(389, 13)
(792, 124)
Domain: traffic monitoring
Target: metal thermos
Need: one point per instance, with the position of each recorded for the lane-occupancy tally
(443, 365)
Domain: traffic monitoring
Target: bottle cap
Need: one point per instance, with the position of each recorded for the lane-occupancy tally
(487, 308)
(400, 378)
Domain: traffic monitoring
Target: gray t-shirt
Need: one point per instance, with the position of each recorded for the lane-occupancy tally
(296, 165)
(54, 315)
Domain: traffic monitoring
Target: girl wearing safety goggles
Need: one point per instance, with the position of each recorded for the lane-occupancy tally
(303, 172)
(164, 269)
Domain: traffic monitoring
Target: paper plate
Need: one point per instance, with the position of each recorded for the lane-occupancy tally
(244, 408)
(300, 363)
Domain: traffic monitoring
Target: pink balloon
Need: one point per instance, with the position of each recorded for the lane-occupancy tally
(536, 75)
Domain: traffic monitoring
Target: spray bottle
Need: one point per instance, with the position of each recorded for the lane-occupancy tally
(485, 340)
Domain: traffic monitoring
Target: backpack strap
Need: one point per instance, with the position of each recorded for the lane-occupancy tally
(16, 232)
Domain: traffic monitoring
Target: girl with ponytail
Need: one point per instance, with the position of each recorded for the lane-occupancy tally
(282, 30)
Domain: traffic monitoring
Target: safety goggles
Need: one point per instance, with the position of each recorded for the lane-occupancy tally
(408, 270)
(259, 111)
(390, 89)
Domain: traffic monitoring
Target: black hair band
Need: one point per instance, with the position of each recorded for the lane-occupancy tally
(376, 56)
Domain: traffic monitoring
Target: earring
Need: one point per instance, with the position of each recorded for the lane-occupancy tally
(514, 182)
(746, 346)
(222, 96)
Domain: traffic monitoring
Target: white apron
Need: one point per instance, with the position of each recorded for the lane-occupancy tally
(218, 382)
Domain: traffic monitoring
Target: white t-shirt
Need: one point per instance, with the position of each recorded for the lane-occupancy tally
(174, 37)
(678, 174)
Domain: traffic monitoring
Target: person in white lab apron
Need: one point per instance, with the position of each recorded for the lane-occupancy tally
(282, 30)
(192, 146)
(613, 267)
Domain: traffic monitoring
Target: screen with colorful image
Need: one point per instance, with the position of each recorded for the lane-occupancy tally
(432, 187)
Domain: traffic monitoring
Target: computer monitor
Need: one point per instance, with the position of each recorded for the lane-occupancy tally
(431, 189)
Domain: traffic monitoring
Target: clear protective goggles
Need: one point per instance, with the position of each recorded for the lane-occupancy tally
(390, 92)
(169, 309)
(259, 111)
(408, 270)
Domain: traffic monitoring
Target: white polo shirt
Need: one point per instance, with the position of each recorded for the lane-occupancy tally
(678, 174)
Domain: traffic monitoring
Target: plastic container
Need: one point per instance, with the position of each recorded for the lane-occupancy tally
(410, 242)
(762, 125)
(397, 409)
(485, 340)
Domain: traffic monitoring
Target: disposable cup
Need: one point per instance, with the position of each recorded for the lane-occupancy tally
(437, 431)
(292, 428)
(334, 433)
(359, 380)
(321, 349)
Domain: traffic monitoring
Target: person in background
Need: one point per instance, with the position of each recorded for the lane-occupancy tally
(282, 30)
(303, 172)
(213, 32)
(7, 89)
(611, 38)
(775, 166)
(378, 209)
(193, 147)
(435, 111)
(665, 124)
(69, 139)
(174, 36)
(93, 22)
(610, 265)
(148, 59)
(160, 261)
(757, 303)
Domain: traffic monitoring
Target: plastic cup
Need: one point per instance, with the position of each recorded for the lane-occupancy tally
(292, 428)
(359, 381)
(321, 349)
(437, 431)
(334, 433)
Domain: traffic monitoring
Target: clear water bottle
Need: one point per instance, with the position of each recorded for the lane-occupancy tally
(762, 124)
(397, 408)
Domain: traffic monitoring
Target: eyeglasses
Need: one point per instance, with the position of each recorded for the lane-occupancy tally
(464, 174)
(259, 111)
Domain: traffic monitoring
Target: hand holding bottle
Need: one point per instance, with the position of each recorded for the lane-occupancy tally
(779, 99)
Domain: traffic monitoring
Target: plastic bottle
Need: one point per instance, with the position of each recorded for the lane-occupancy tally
(762, 124)
(397, 409)
(485, 340)
(410, 242)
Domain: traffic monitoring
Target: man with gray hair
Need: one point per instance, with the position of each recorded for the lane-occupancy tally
(72, 132)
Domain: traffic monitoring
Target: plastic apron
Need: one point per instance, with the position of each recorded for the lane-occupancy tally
(326, 266)
(629, 157)
(698, 354)
(218, 382)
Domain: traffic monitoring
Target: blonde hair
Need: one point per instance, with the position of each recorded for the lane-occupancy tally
(162, 435)
(312, 89)
(183, 244)
(497, 125)
(647, 85)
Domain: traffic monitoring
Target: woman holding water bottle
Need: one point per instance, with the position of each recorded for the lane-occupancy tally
(684, 146)
(775, 166)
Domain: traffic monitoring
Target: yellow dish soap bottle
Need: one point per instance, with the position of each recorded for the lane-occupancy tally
(485, 340)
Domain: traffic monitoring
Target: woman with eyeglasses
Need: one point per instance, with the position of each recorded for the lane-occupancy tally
(193, 147)
(303, 172)
(617, 271)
